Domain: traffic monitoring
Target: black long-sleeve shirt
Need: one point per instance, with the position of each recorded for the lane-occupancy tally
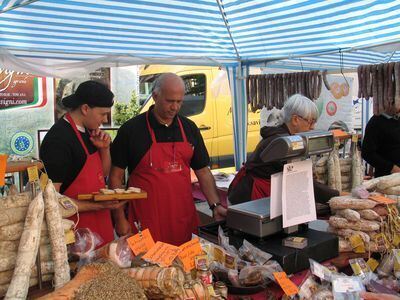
(381, 144)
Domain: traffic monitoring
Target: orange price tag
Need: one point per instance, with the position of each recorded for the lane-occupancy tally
(382, 199)
(337, 133)
(189, 251)
(3, 166)
(141, 243)
(162, 254)
(286, 284)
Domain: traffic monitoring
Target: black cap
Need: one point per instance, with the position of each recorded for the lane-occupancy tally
(92, 93)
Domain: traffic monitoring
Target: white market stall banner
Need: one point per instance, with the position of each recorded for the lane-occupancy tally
(335, 105)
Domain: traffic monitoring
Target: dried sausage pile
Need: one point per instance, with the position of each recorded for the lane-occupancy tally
(382, 83)
(272, 90)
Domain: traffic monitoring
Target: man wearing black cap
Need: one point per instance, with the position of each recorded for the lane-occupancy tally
(76, 154)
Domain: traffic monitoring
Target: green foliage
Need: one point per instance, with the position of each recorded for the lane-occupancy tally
(124, 111)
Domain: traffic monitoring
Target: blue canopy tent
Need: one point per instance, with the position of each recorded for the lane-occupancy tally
(60, 37)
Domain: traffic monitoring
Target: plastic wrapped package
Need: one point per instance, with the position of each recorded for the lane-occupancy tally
(271, 267)
(359, 267)
(347, 287)
(323, 294)
(223, 241)
(385, 268)
(85, 244)
(219, 271)
(320, 271)
(391, 283)
(375, 287)
(251, 276)
(253, 254)
(307, 288)
(118, 251)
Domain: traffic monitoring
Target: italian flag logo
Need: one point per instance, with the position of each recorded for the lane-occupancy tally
(39, 92)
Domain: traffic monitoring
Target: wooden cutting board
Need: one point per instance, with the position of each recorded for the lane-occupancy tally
(112, 197)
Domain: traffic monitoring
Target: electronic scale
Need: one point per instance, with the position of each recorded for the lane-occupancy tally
(252, 217)
(251, 220)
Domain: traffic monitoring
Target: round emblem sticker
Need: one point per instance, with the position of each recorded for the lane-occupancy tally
(22, 143)
(331, 108)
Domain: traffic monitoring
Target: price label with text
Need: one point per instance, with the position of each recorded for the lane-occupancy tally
(189, 251)
(141, 243)
(286, 284)
(162, 254)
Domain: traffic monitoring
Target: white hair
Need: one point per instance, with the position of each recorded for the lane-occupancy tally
(301, 106)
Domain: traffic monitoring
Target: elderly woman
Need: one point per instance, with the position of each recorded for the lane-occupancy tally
(253, 180)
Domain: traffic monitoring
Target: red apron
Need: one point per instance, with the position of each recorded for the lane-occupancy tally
(164, 173)
(90, 179)
(260, 188)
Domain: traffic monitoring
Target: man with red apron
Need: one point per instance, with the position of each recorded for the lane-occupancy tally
(76, 155)
(159, 148)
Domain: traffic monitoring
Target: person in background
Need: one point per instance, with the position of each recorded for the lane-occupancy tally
(381, 143)
(76, 154)
(253, 181)
(159, 147)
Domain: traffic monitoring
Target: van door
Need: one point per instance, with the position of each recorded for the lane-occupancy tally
(224, 142)
(198, 105)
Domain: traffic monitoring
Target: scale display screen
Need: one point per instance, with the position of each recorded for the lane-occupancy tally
(318, 144)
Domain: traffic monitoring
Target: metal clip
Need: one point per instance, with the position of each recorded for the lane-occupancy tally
(139, 228)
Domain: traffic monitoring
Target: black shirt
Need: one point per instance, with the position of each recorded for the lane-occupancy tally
(133, 141)
(62, 153)
(381, 144)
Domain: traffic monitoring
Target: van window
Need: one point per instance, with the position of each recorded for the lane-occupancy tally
(146, 83)
(195, 94)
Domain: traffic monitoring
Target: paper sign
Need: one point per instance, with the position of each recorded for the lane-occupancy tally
(141, 243)
(276, 195)
(354, 138)
(189, 251)
(162, 254)
(33, 173)
(298, 203)
(3, 166)
(43, 181)
(382, 199)
(286, 284)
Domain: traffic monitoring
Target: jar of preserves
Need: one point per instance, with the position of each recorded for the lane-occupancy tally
(221, 289)
(204, 274)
